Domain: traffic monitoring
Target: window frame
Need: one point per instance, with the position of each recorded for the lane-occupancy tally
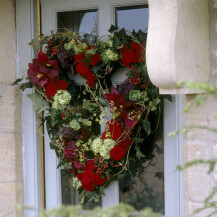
(174, 199)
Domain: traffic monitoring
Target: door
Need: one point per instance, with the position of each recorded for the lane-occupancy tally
(159, 187)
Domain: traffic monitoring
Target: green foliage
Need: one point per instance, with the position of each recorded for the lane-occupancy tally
(146, 126)
(139, 154)
(122, 210)
(39, 104)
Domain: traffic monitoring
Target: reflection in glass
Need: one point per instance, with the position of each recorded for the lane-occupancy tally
(132, 17)
(70, 195)
(83, 22)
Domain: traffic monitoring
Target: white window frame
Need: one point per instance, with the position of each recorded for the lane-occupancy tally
(174, 197)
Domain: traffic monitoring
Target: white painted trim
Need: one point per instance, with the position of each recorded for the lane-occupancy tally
(31, 146)
(53, 196)
(173, 180)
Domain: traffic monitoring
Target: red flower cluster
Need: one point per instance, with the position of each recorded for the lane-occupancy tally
(88, 178)
(135, 54)
(42, 69)
(119, 151)
(116, 130)
(84, 71)
(95, 59)
(53, 85)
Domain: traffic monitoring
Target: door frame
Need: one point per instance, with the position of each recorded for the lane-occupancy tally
(174, 196)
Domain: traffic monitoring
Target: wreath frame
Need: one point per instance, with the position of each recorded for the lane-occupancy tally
(69, 123)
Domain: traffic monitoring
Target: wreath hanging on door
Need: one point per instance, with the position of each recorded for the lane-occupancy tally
(75, 113)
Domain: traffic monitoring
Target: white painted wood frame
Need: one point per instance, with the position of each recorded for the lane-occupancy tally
(31, 152)
(26, 29)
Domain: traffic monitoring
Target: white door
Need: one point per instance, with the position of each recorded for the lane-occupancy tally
(101, 14)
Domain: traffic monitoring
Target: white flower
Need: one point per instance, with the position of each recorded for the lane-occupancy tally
(113, 56)
(107, 146)
(61, 98)
(104, 152)
(96, 145)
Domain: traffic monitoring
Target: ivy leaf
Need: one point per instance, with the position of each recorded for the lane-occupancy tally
(138, 140)
(103, 102)
(153, 93)
(26, 85)
(142, 36)
(113, 29)
(17, 81)
(139, 154)
(39, 104)
(90, 106)
(146, 126)
(53, 117)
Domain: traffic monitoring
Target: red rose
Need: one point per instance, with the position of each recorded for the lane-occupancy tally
(87, 179)
(99, 180)
(95, 59)
(118, 152)
(115, 129)
(82, 69)
(62, 85)
(125, 143)
(139, 52)
(51, 89)
(90, 165)
(79, 58)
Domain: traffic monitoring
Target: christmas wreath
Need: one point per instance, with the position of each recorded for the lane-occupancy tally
(94, 127)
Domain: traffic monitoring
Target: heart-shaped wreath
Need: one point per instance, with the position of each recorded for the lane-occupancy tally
(75, 113)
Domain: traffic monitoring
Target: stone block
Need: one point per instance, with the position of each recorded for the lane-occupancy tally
(10, 111)
(196, 184)
(196, 150)
(10, 158)
(10, 196)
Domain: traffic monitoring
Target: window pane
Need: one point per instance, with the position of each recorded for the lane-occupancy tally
(132, 17)
(82, 22)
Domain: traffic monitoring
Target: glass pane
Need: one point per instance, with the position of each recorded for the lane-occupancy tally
(145, 186)
(132, 17)
(83, 22)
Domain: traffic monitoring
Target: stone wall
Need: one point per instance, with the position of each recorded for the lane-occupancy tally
(11, 184)
(201, 144)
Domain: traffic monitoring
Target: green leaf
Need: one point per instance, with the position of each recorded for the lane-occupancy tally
(39, 104)
(139, 154)
(90, 106)
(103, 102)
(53, 117)
(138, 140)
(26, 85)
(17, 81)
(91, 51)
(146, 126)
(113, 29)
